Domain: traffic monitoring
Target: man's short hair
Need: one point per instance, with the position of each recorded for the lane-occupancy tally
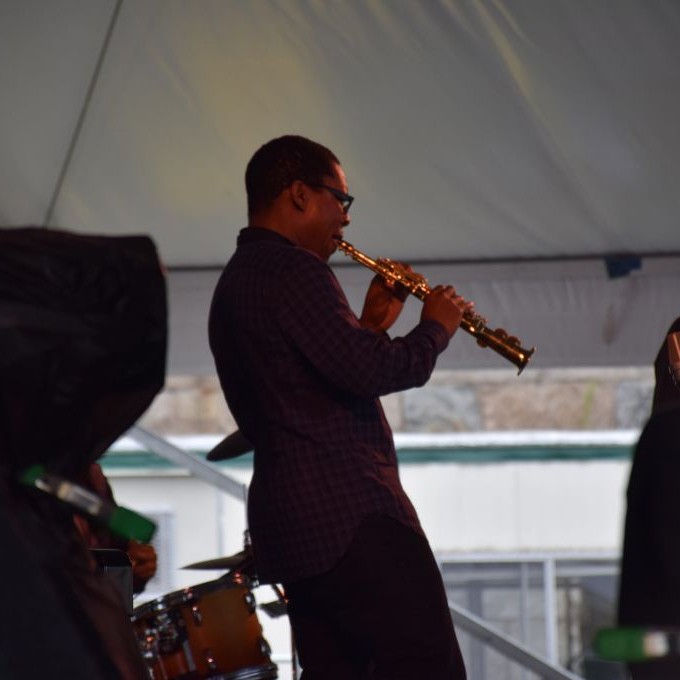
(282, 161)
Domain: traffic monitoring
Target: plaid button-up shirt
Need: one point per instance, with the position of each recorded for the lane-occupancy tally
(302, 379)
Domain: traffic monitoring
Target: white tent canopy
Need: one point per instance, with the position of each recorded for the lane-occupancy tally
(505, 147)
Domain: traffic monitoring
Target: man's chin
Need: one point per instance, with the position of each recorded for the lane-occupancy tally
(333, 248)
(324, 252)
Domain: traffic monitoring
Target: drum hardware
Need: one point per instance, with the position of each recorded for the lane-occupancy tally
(195, 612)
(210, 660)
(278, 607)
(274, 609)
(264, 647)
(148, 642)
(207, 631)
(170, 633)
(249, 599)
(215, 637)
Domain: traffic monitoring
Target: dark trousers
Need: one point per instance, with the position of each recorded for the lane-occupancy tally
(380, 614)
(656, 669)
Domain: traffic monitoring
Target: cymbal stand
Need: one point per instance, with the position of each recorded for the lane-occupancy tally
(281, 596)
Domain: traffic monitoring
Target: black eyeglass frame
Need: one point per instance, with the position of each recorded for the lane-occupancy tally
(344, 198)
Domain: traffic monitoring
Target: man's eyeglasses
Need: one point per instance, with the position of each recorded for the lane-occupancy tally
(345, 199)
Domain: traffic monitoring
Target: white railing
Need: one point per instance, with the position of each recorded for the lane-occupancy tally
(204, 470)
(513, 650)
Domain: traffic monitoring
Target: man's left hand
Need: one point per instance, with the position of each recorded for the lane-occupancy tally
(383, 304)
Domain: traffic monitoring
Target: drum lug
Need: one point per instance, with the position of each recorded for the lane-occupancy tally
(210, 659)
(196, 614)
(264, 647)
(249, 599)
(168, 632)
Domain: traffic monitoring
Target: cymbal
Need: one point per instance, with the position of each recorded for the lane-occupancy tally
(241, 561)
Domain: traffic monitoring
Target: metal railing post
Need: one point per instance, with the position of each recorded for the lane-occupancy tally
(467, 621)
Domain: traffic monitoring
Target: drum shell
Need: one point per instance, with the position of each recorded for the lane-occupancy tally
(210, 630)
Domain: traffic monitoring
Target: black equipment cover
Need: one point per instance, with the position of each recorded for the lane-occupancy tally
(83, 329)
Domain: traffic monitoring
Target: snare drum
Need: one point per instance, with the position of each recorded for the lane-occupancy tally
(206, 631)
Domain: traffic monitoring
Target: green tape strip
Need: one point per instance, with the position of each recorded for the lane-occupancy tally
(129, 524)
(30, 475)
(621, 644)
(121, 521)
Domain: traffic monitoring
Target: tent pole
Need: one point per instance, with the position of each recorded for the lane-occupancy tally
(81, 118)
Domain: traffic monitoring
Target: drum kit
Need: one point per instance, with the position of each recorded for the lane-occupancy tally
(211, 630)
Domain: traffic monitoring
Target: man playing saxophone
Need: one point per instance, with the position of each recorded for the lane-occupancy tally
(302, 376)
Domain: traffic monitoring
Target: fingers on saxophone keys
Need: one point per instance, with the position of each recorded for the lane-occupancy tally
(459, 300)
(467, 306)
(447, 291)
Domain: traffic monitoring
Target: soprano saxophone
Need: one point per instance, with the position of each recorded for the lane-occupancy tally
(498, 340)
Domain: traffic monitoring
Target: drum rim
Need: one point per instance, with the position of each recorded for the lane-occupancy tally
(190, 594)
(262, 672)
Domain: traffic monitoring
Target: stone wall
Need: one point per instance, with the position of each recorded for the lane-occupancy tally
(453, 401)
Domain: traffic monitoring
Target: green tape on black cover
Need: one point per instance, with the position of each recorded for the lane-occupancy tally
(623, 644)
(129, 524)
(31, 474)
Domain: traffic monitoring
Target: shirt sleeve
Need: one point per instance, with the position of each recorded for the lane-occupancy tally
(314, 315)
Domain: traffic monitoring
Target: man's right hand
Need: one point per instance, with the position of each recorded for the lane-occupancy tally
(444, 306)
(144, 564)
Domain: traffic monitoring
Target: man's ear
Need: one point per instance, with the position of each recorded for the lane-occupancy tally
(299, 194)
